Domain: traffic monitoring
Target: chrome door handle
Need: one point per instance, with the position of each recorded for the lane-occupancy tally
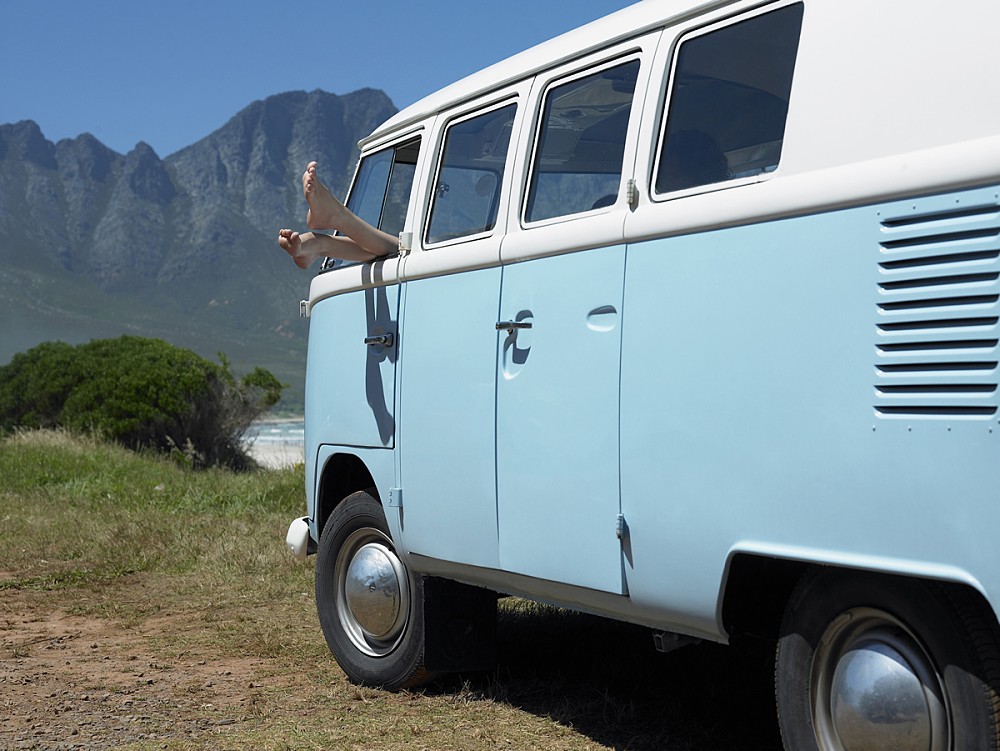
(510, 326)
(384, 340)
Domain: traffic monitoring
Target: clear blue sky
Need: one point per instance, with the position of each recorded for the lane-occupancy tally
(169, 72)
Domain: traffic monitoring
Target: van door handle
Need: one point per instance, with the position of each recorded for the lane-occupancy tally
(384, 340)
(510, 326)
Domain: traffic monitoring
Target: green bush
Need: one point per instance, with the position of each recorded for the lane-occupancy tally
(143, 393)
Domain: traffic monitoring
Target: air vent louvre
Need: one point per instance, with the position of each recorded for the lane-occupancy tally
(937, 310)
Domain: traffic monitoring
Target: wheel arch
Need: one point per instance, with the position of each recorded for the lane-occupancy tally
(342, 475)
(757, 584)
(755, 591)
(875, 658)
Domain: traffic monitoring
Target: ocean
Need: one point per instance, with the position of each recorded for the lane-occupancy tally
(277, 443)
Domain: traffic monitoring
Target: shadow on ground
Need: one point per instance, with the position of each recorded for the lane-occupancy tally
(605, 680)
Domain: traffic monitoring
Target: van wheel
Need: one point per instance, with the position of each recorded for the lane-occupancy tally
(370, 606)
(868, 662)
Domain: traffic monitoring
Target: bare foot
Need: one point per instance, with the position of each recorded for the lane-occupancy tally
(325, 211)
(298, 247)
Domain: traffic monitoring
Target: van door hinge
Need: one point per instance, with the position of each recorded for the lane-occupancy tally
(632, 193)
(395, 498)
(303, 308)
(405, 243)
(621, 528)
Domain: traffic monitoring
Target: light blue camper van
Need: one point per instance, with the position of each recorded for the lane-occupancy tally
(693, 324)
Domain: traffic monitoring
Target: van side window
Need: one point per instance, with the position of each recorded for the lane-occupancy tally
(467, 188)
(729, 101)
(578, 159)
(381, 191)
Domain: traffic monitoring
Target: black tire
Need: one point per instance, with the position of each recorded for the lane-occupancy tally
(920, 658)
(370, 607)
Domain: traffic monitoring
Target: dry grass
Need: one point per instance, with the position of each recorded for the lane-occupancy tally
(185, 575)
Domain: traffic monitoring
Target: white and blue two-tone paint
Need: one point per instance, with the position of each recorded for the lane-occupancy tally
(694, 324)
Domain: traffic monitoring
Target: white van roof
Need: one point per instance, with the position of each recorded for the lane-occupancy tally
(604, 32)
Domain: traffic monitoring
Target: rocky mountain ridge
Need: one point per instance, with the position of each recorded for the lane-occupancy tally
(95, 243)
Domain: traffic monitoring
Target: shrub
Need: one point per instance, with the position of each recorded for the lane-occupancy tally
(143, 393)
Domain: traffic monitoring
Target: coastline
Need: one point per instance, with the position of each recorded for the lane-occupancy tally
(277, 443)
(277, 455)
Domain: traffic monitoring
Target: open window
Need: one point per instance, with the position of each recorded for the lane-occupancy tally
(729, 101)
(381, 191)
(578, 158)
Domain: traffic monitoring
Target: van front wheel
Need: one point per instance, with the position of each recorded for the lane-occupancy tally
(370, 607)
(870, 662)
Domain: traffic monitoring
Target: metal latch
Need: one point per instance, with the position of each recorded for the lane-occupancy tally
(510, 326)
(303, 308)
(384, 340)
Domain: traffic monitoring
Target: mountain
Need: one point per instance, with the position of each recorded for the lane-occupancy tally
(94, 243)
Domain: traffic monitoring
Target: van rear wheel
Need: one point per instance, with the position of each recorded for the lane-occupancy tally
(370, 607)
(868, 662)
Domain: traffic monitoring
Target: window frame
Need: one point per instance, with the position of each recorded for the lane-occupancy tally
(610, 59)
(666, 95)
(394, 142)
(510, 98)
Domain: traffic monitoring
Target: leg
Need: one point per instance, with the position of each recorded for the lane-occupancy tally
(306, 247)
(326, 212)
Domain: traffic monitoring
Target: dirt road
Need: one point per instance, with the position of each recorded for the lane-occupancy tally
(74, 674)
(82, 682)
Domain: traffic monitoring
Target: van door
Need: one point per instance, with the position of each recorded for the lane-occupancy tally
(446, 410)
(451, 295)
(557, 418)
(558, 373)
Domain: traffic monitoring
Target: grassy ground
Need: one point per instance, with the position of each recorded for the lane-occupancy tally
(146, 606)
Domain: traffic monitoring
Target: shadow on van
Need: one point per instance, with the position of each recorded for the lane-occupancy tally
(605, 680)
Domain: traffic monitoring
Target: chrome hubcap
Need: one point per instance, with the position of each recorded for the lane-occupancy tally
(373, 597)
(874, 688)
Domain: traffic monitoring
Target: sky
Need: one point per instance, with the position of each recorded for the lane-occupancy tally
(169, 72)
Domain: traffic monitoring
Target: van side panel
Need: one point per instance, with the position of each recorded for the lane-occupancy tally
(874, 80)
(825, 384)
(350, 385)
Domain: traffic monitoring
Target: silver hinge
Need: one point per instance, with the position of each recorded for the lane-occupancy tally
(405, 243)
(621, 527)
(631, 193)
(303, 308)
(395, 498)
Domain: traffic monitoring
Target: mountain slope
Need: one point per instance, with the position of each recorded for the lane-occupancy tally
(94, 243)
